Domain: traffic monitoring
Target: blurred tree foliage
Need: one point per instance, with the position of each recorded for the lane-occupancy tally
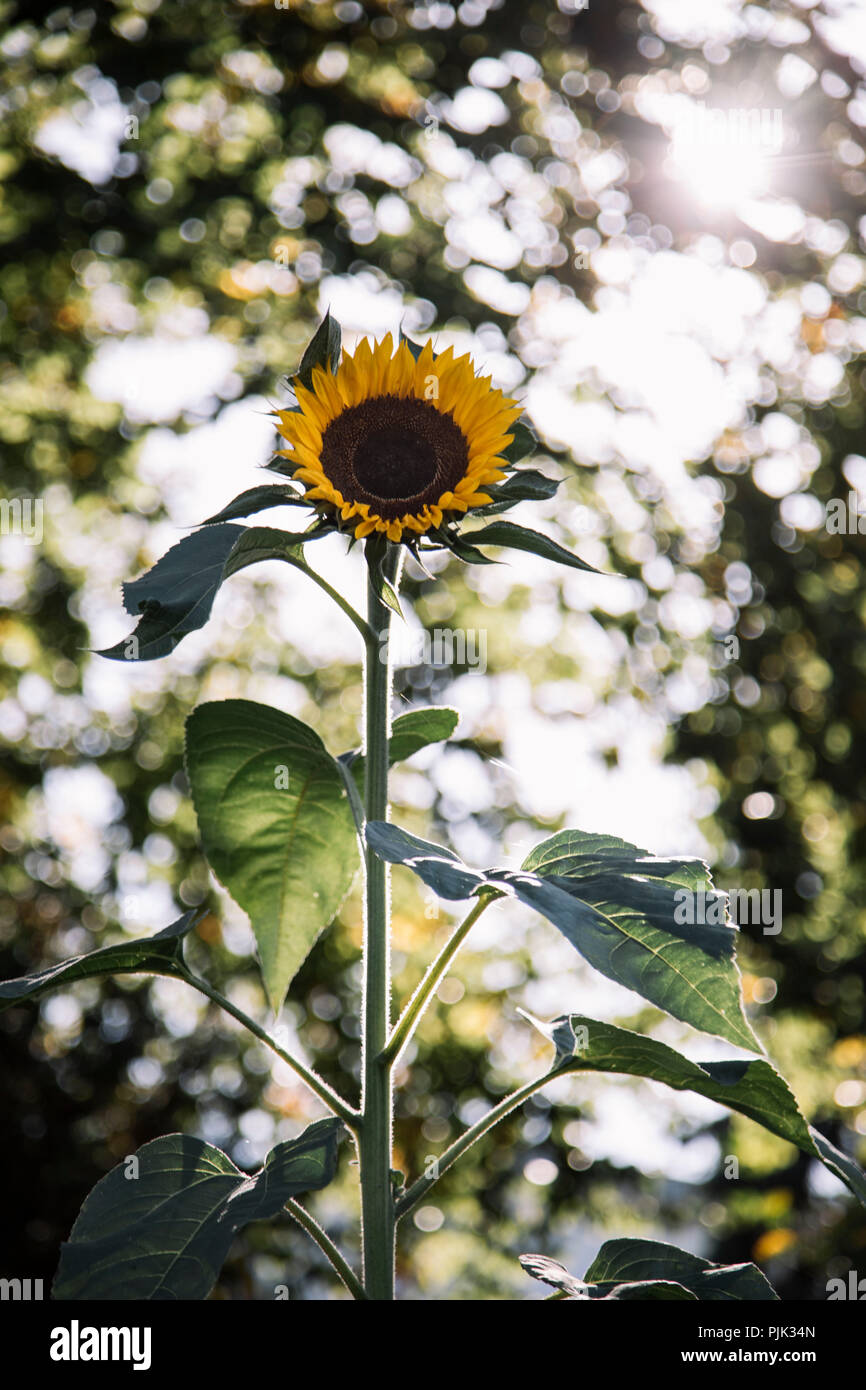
(226, 182)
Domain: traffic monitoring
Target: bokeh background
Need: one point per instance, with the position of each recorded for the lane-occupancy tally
(187, 187)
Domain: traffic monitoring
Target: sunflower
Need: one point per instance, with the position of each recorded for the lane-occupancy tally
(399, 442)
(391, 447)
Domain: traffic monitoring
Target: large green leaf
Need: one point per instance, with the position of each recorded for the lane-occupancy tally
(176, 596)
(622, 921)
(508, 533)
(620, 907)
(753, 1088)
(276, 825)
(161, 954)
(627, 1270)
(164, 1232)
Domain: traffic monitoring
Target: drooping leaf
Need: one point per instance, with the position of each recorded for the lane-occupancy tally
(161, 954)
(163, 1232)
(514, 537)
(439, 868)
(622, 922)
(580, 854)
(621, 909)
(276, 825)
(753, 1088)
(323, 350)
(176, 596)
(258, 499)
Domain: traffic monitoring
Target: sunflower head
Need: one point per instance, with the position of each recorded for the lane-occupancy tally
(399, 443)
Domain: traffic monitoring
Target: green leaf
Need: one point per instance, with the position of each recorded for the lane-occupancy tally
(161, 954)
(525, 442)
(417, 728)
(410, 733)
(522, 486)
(622, 921)
(376, 552)
(620, 907)
(323, 351)
(165, 1233)
(581, 854)
(647, 1289)
(460, 547)
(276, 825)
(415, 348)
(268, 543)
(508, 533)
(629, 1270)
(176, 596)
(257, 499)
(753, 1088)
(551, 1272)
(439, 868)
(629, 1261)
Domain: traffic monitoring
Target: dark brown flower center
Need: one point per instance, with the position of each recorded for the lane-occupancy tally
(396, 454)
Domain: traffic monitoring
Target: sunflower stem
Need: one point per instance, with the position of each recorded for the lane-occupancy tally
(378, 1216)
(332, 1252)
(355, 618)
(419, 1189)
(414, 1010)
(347, 1113)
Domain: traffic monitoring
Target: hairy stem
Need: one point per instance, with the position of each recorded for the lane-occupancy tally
(417, 1005)
(377, 1202)
(363, 628)
(335, 1103)
(327, 1246)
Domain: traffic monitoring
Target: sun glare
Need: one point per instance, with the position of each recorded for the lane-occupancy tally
(724, 155)
(721, 175)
